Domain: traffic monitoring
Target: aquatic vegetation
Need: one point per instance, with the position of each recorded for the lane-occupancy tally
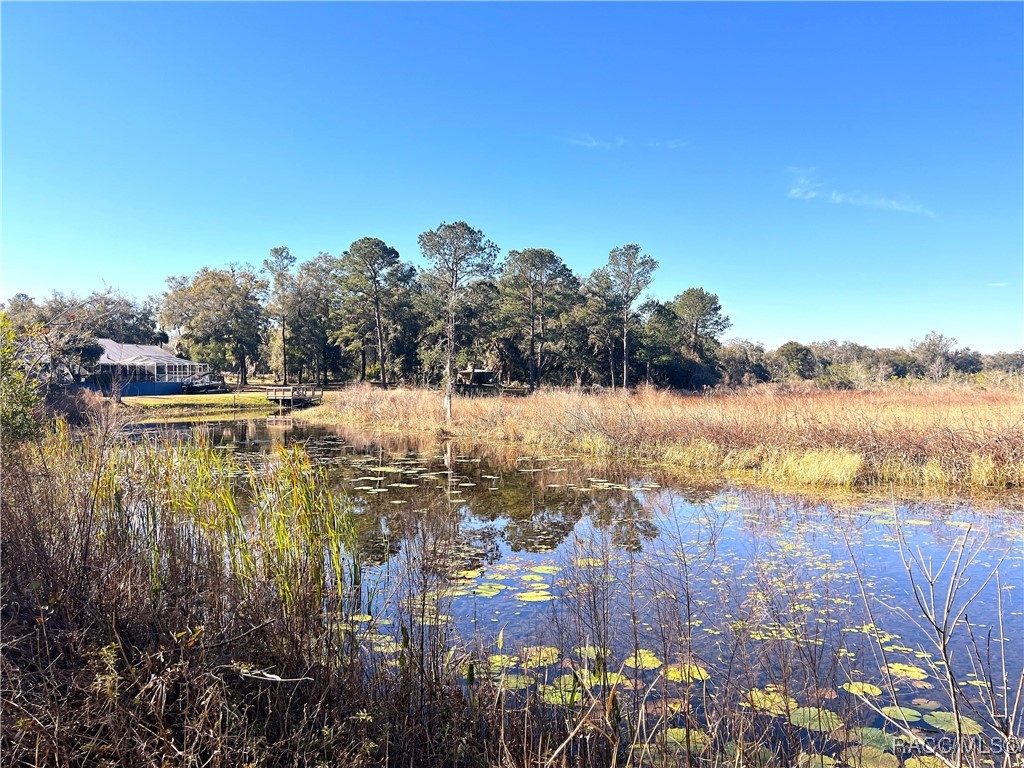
(947, 721)
(926, 437)
(862, 689)
(674, 623)
(815, 719)
(539, 655)
(686, 673)
(690, 739)
(901, 714)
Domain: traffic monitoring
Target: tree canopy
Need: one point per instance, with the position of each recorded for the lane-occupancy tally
(367, 314)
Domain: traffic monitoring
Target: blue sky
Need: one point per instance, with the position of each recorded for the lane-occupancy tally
(831, 170)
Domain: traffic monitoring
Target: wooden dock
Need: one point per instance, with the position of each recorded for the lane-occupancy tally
(295, 397)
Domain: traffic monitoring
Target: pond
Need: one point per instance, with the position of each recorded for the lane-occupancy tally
(866, 609)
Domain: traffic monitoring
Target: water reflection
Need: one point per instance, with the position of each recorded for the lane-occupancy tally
(692, 569)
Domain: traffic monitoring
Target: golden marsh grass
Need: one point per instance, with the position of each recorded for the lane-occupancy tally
(926, 437)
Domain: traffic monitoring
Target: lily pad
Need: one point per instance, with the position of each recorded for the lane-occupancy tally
(539, 655)
(591, 652)
(488, 589)
(946, 721)
(565, 694)
(500, 661)
(901, 714)
(535, 596)
(873, 737)
(689, 739)
(513, 681)
(386, 645)
(862, 689)
(815, 760)
(643, 659)
(815, 719)
(686, 673)
(908, 671)
(549, 569)
(771, 700)
(748, 754)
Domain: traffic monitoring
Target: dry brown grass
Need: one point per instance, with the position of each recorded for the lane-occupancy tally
(924, 437)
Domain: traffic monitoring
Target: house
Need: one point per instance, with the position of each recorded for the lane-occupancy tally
(141, 369)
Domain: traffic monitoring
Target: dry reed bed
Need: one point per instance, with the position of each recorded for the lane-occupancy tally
(935, 437)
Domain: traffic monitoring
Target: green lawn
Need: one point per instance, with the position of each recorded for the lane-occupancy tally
(220, 401)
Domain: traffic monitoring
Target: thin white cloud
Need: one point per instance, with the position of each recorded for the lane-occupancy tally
(802, 185)
(589, 142)
(996, 285)
(805, 186)
(666, 144)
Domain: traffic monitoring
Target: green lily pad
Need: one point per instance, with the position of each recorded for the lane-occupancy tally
(873, 737)
(946, 721)
(539, 655)
(549, 569)
(815, 760)
(591, 652)
(513, 681)
(901, 714)
(386, 645)
(690, 739)
(862, 689)
(535, 596)
(815, 719)
(561, 694)
(686, 673)
(748, 754)
(500, 661)
(908, 671)
(488, 589)
(643, 659)
(771, 700)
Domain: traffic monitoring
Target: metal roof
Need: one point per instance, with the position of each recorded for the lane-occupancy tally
(116, 353)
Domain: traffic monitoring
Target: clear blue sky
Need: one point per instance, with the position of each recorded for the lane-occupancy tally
(847, 171)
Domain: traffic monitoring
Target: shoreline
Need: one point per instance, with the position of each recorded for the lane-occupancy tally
(940, 441)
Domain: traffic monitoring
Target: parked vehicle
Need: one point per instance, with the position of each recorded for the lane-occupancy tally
(204, 383)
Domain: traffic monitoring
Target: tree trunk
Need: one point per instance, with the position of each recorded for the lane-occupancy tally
(284, 354)
(533, 361)
(449, 384)
(362, 362)
(611, 365)
(380, 342)
(625, 351)
(540, 350)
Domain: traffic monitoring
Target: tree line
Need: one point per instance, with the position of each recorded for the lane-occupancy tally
(367, 315)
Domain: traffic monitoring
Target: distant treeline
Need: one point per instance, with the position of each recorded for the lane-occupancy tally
(367, 315)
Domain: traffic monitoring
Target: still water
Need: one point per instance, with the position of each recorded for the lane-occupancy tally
(674, 580)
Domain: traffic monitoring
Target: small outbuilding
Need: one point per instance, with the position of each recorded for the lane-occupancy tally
(476, 377)
(142, 369)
